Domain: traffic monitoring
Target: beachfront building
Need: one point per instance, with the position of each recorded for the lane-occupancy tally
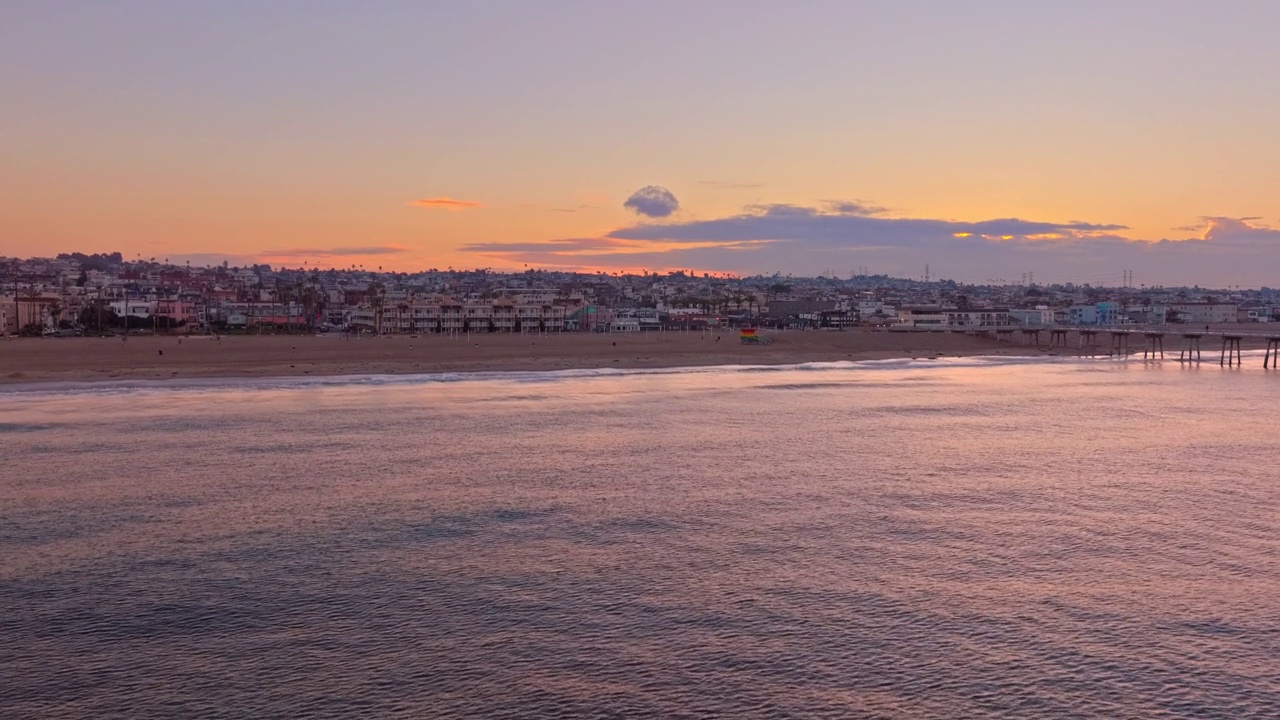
(1255, 315)
(421, 315)
(539, 318)
(640, 318)
(138, 308)
(1039, 316)
(624, 324)
(951, 318)
(807, 313)
(1147, 314)
(1203, 313)
(36, 311)
(975, 318)
(8, 316)
(926, 317)
(1103, 313)
(256, 314)
(178, 310)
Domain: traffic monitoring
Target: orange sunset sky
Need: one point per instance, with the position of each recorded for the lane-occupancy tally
(1071, 139)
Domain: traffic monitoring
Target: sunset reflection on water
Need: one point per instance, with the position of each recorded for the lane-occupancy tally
(962, 538)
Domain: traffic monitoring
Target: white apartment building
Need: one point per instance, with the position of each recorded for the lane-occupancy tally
(1038, 316)
(1205, 313)
(923, 317)
(625, 324)
(952, 318)
(141, 308)
(977, 318)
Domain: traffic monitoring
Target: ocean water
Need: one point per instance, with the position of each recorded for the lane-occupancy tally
(951, 539)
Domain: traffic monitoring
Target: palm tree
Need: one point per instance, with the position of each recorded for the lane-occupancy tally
(313, 282)
(32, 295)
(249, 322)
(55, 310)
(377, 296)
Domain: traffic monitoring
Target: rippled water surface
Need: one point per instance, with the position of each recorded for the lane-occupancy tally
(965, 539)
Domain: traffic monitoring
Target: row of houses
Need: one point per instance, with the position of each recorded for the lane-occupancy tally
(447, 315)
(97, 292)
(1116, 313)
(1096, 314)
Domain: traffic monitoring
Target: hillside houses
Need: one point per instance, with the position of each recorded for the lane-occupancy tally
(103, 293)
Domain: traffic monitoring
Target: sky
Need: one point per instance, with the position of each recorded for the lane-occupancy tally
(983, 139)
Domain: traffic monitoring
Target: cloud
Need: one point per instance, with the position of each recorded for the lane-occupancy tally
(854, 207)
(444, 203)
(841, 235)
(850, 224)
(350, 251)
(1208, 225)
(1237, 231)
(563, 246)
(652, 201)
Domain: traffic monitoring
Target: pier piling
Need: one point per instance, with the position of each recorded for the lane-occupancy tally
(1089, 340)
(1190, 347)
(1120, 342)
(1155, 344)
(1272, 358)
(1231, 350)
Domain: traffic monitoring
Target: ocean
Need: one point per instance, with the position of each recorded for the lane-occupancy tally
(962, 538)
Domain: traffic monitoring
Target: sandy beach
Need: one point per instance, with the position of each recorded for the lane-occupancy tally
(162, 357)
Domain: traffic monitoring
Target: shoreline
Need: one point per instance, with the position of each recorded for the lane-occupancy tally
(225, 382)
(150, 358)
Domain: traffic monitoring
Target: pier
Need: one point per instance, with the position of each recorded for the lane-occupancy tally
(1120, 345)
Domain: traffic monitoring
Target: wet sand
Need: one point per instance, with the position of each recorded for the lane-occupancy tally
(146, 357)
